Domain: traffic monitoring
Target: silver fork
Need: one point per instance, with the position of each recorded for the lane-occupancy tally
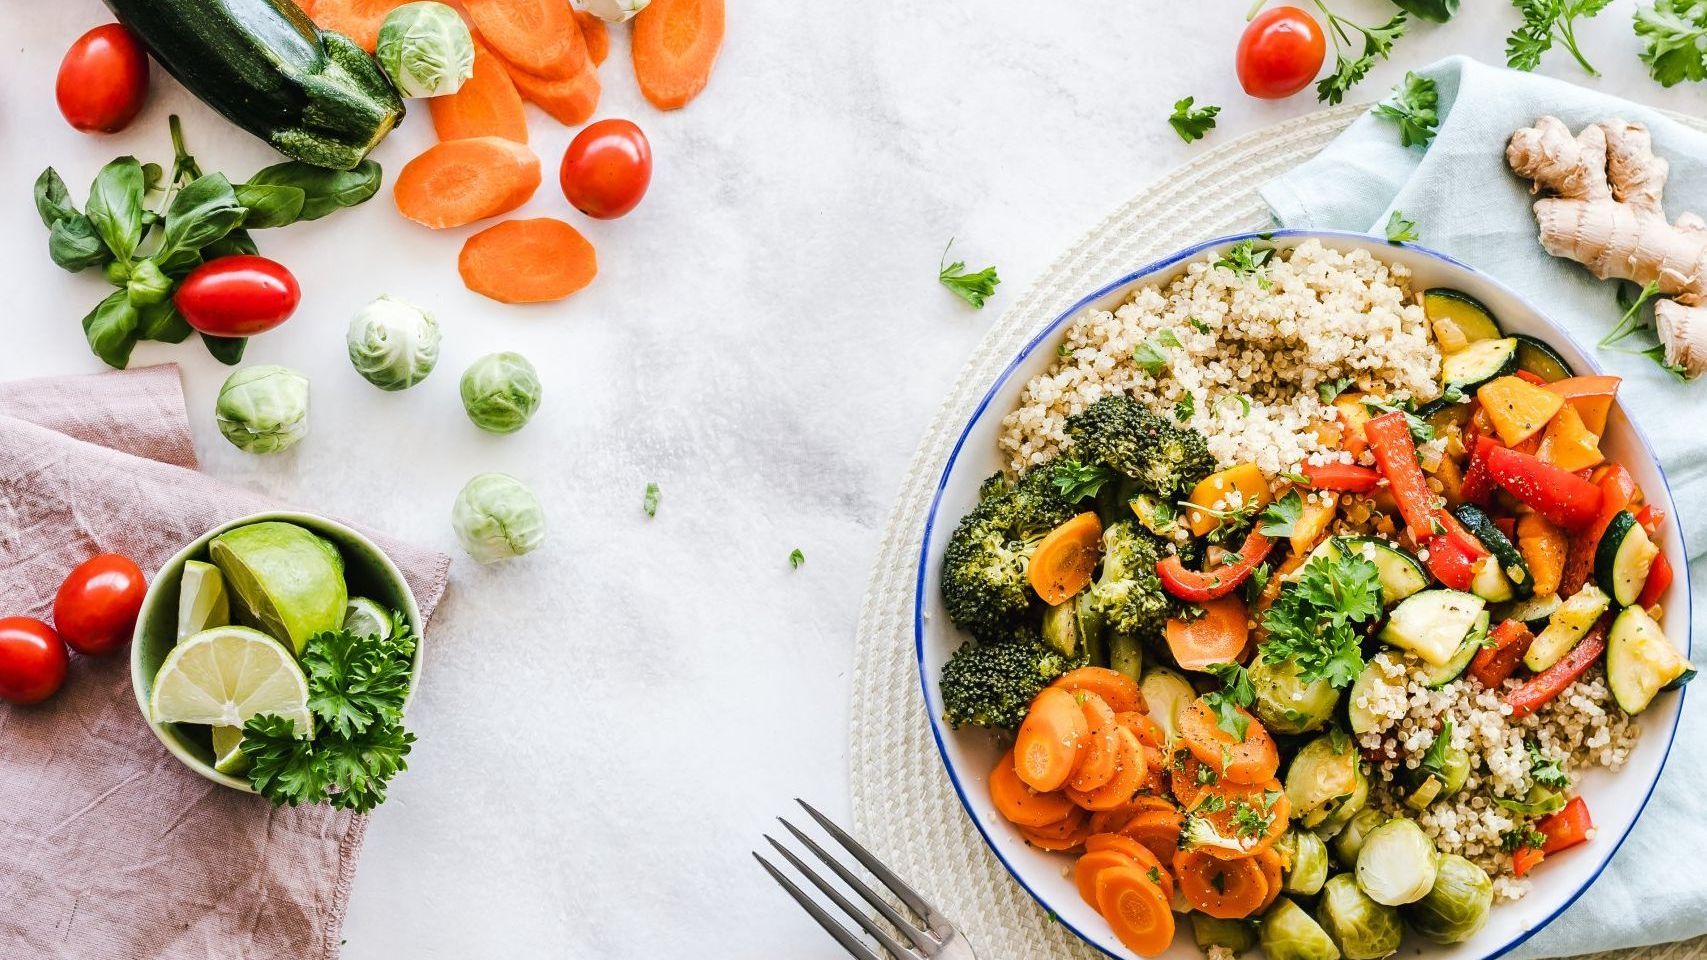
(932, 936)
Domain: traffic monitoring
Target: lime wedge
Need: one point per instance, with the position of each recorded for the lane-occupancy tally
(225, 675)
(228, 756)
(366, 618)
(287, 581)
(202, 600)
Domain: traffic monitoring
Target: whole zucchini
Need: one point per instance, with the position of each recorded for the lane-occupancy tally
(316, 97)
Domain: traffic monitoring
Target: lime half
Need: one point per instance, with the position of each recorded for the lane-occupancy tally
(225, 675)
(366, 618)
(228, 756)
(202, 600)
(287, 581)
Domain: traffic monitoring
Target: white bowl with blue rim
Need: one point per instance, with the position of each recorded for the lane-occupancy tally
(1615, 799)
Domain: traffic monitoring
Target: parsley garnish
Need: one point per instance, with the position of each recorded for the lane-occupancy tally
(796, 558)
(1248, 821)
(1632, 322)
(1063, 350)
(1545, 21)
(1186, 406)
(1256, 583)
(1315, 620)
(1155, 875)
(1329, 390)
(1206, 775)
(971, 287)
(1246, 259)
(1400, 230)
(1280, 518)
(1522, 836)
(1546, 772)
(1190, 122)
(649, 502)
(1413, 107)
(1077, 481)
(1199, 325)
(1673, 32)
(1167, 337)
(1421, 430)
(1236, 691)
(1150, 358)
(1349, 71)
(1434, 760)
(1211, 803)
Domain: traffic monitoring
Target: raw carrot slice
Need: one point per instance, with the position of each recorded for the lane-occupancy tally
(1102, 746)
(1136, 910)
(595, 35)
(569, 99)
(1219, 635)
(1226, 889)
(487, 105)
(1022, 805)
(1051, 740)
(1138, 853)
(1251, 760)
(1063, 561)
(1116, 689)
(1128, 778)
(460, 181)
(359, 20)
(538, 36)
(527, 261)
(675, 44)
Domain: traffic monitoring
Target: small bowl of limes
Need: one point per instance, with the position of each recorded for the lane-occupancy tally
(231, 627)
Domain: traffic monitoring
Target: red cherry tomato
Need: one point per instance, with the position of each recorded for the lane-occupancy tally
(97, 604)
(1280, 52)
(103, 80)
(238, 296)
(606, 169)
(32, 660)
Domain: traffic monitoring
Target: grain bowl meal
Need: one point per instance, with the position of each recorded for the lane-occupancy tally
(1304, 601)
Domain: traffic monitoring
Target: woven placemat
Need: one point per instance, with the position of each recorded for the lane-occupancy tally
(903, 805)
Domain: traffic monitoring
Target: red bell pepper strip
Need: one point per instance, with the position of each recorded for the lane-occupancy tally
(1659, 580)
(1390, 439)
(1534, 378)
(1449, 562)
(1507, 526)
(1199, 586)
(1651, 517)
(1494, 664)
(1348, 477)
(1455, 532)
(1564, 498)
(1549, 683)
(1617, 489)
(1567, 828)
(1525, 859)
(1478, 483)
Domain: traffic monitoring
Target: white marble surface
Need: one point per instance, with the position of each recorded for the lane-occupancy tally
(607, 725)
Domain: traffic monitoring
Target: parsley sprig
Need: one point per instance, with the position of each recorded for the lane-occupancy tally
(1634, 321)
(974, 288)
(1192, 122)
(1674, 40)
(1246, 259)
(1544, 770)
(1078, 481)
(1413, 105)
(1280, 518)
(1236, 691)
(1399, 230)
(1349, 70)
(356, 688)
(1547, 21)
(1316, 620)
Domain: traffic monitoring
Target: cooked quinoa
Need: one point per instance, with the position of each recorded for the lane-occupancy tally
(1252, 350)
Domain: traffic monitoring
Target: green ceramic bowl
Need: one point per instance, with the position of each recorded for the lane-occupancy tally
(367, 570)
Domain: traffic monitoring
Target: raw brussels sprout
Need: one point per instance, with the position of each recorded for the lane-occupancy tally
(1456, 906)
(1361, 928)
(1306, 859)
(1236, 935)
(614, 11)
(263, 409)
(500, 392)
(1288, 933)
(1287, 704)
(1396, 863)
(393, 344)
(1326, 783)
(496, 517)
(1349, 841)
(425, 49)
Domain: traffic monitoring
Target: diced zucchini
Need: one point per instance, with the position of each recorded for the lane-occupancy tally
(1432, 624)
(1509, 559)
(1401, 574)
(1458, 319)
(1531, 609)
(1490, 583)
(1370, 685)
(1641, 661)
(1166, 696)
(1540, 359)
(1478, 363)
(1623, 559)
(1454, 668)
(1567, 625)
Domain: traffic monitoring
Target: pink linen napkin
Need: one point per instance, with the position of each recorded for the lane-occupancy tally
(109, 848)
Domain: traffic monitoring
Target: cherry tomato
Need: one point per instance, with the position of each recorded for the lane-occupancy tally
(607, 168)
(103, 80)
(1280, 52)
(97, 604)
(32, 660)
(238, 296)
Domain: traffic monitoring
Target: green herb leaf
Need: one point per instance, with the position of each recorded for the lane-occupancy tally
(146, 285)
(1280, 518)
(649, 502)
(203, 211)
(1236, 691)
(1185, 408)
(1546, 21)
(1434, 759)
(115, 206)
(1150, 358)
(323, 190)
(74, 245)
(1674, 40)
(1329, 390)
(53, 201)
(227, 350)
(161, 321)
(1544, 771)
(1077, 481)
(1190, 122)
(1315, 620)
(111, 329)
(1413, 106)
(268, 205)
(1400, 230)
(1199, 325)
(1349, 70)
(1439, 11)
(796, 558)
(974, 288)
(1245, 258)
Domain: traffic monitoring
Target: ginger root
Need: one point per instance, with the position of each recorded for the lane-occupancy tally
(1603, 210)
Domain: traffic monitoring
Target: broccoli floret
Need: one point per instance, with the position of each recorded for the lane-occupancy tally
(1163, 459)
(984, 584)
(992, 684)
(1128, 594)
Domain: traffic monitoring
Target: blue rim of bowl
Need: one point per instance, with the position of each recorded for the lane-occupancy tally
(1053, 329)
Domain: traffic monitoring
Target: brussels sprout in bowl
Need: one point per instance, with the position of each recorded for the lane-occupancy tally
(969, 755)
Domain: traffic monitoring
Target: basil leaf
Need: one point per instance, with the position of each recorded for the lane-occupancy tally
(234, 243)
(53, 201)
(115, 206)
(324, 190)
(203, 211)
(162, 321)
(147, 285)
(270, 205)
(111, 329)
(1438, 11)
(152, 177)
(227, 350)
(73, 244)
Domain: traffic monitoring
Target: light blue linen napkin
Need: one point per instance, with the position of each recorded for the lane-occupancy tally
(1468, 204)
